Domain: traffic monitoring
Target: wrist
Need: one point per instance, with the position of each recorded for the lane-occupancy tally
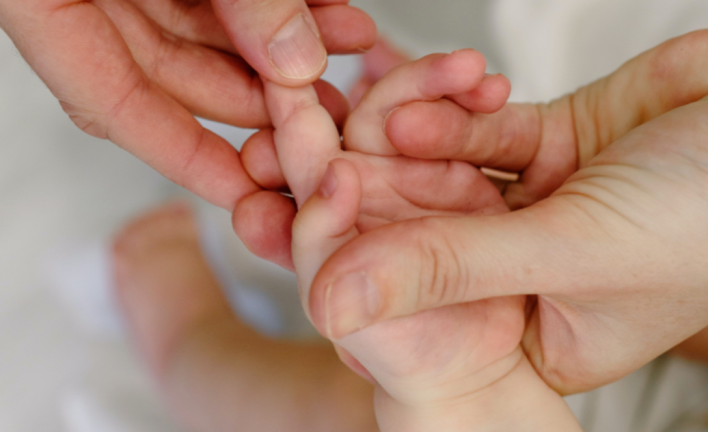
(520, 401)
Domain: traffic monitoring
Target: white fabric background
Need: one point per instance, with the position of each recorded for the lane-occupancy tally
(59, 187)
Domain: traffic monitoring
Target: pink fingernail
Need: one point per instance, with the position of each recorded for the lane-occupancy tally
(329, 183)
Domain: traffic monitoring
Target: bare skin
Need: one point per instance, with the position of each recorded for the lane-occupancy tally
(214, 371)
(451, 369)
(382, 58)
(207, 361)
(138, 71)
(694, 348)
(624, 230)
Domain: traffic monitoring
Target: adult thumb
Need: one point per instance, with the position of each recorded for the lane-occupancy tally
(412, 266)
(278, 38)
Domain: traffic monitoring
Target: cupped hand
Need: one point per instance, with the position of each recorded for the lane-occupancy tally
(614, 259)
(136, 72)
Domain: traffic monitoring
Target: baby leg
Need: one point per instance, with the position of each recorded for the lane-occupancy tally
(215, 372)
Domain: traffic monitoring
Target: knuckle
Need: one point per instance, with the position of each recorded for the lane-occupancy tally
(195, 152)
(443, 276)
(160, 65)
(96, 118)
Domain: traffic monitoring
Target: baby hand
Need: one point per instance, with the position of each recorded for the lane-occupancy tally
(450, 369)
(427, 377)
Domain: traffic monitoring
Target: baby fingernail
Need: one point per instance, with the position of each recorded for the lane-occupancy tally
(296, 51)
(388, 116)
(351, 303)
(329, 183)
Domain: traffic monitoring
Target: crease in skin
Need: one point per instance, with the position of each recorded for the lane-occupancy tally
(192, 20)
(581, 200)
(141, 85)
(702, 167)
(293, 56)
(64, 5)
(587, 148)
(654, 102)
(532, 344)
(470, 181)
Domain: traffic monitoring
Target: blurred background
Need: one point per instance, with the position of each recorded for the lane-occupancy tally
(64, 364)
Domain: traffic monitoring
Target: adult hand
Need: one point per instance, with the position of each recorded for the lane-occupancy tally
(615, 258)
(137, 71)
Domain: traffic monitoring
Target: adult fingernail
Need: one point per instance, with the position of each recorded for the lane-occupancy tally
(329, 183)
(351, 303)
(296, 51)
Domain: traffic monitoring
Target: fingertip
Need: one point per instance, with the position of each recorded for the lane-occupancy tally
(344, 297)
(336, 104)
(352, 363)
(280, 41)
(457, 72)
(260, 160)
(347, 176)
(489, 97)
(345, 29)
(263, 221)
(468, 59)
(334, 209)
(325, 222)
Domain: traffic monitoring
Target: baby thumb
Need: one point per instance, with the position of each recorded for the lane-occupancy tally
(326, 221)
